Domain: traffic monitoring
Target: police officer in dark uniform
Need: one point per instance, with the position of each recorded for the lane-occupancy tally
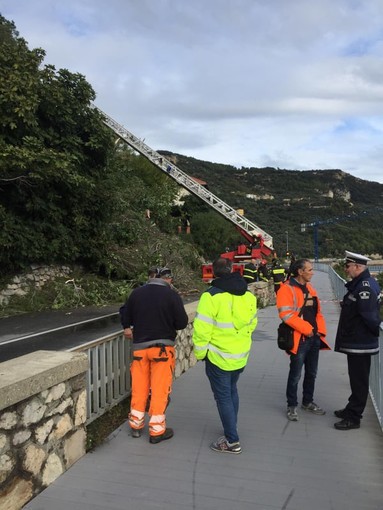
(358, 336)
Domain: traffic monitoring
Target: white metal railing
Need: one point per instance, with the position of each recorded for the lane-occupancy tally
(376, 373)
(108, 376)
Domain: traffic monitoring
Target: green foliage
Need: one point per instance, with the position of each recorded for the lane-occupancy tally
(60, 294)
(210, 231)
(55, 150)
(67, 192)
(278, 201)
(100, 429)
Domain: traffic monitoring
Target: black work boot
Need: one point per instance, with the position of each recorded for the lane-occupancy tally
(163, 437)
(341, 413)
(346, 424)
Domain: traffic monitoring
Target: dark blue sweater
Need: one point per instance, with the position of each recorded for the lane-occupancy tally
(155, 312)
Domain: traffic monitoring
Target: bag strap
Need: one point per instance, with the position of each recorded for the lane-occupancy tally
(305, 299)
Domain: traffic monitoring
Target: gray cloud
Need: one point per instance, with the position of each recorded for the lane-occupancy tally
(290, 83)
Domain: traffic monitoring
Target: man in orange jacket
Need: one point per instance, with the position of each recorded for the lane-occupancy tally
(299, 307)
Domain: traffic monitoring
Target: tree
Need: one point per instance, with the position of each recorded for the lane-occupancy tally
(55, 153)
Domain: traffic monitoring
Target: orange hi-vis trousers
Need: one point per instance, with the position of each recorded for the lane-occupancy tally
(152, 370)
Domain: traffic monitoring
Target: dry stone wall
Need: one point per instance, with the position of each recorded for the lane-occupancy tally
(37, 277)
(42, 422)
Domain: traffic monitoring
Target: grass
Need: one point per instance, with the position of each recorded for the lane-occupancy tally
(100, 429)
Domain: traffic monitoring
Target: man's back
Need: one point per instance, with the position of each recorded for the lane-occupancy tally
(155, 311)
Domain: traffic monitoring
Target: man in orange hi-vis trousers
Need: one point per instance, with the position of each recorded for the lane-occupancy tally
(151, 317)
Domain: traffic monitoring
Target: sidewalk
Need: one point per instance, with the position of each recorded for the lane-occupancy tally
(305, 465)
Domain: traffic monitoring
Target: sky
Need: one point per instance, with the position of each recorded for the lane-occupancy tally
(292, 84)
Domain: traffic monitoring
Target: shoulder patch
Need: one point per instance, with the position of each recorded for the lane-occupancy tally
(364, 294)
(366, 283)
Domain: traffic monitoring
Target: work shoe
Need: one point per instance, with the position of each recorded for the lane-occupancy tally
(346, 424)
(313, 408)
(163, 437)
(223, 445)
(135, 432)
(292, 413)
(341, 413)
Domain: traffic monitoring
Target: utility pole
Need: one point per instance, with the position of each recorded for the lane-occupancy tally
(314, 224)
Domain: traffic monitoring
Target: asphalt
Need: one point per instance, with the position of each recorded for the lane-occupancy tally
(55, 330)
(27, 324)
(304, 465)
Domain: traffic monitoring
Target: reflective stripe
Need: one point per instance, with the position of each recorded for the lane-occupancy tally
(285, 308)
(223, 325)
(288, 316)
(227, 355)
(359, 351)
(201, 347)
(204, 318)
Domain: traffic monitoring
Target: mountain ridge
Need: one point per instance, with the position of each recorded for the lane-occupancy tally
(348, 209)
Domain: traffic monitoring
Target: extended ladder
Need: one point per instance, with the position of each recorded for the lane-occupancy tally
(187, 182)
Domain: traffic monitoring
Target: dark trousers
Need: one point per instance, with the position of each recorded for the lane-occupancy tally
(307, 357)
(359, 374)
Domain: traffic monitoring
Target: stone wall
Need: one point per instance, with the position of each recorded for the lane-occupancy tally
(264, 292)
(42, 422)
(184, 346)
(37, 277)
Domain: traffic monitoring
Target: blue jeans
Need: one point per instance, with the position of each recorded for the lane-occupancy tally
(224, 386)
(307, 356)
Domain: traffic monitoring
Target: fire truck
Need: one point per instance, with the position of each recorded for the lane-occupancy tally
(257, 244)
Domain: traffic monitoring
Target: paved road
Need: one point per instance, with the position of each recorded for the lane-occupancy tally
(55, 330)
(58, 330)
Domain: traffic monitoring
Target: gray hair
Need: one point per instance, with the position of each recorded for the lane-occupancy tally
(298, 264)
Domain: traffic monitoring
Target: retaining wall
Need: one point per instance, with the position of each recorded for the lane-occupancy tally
(42, 422)
(37, 277)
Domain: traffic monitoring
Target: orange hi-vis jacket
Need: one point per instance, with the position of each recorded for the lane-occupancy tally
(290, 299)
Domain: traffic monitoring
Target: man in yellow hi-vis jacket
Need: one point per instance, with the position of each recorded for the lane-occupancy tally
(225, 319)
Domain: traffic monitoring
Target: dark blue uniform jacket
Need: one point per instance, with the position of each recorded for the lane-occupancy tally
(358, 329)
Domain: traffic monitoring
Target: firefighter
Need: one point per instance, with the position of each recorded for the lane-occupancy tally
(250, 271)
(263, 273)
(278, 273)
(151, 317)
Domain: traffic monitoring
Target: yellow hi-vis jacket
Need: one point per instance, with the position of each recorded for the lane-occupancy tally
(223, 326)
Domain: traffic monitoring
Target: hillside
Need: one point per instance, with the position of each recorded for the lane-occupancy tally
(279, 200)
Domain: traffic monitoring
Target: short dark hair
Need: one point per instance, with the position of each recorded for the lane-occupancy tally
(222, 266)
(153, 272)
(298, 264)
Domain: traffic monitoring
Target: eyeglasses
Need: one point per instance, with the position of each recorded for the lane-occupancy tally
(349, 264)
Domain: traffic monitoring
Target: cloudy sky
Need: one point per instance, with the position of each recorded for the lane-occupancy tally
(294, 84)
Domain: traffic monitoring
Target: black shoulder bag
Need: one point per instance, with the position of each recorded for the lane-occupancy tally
(285, 337)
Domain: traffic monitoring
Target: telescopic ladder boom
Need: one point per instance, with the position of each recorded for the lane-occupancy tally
(187, 182)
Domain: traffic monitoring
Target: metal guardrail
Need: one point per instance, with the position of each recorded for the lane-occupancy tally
(108, 376)
(376, 373)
